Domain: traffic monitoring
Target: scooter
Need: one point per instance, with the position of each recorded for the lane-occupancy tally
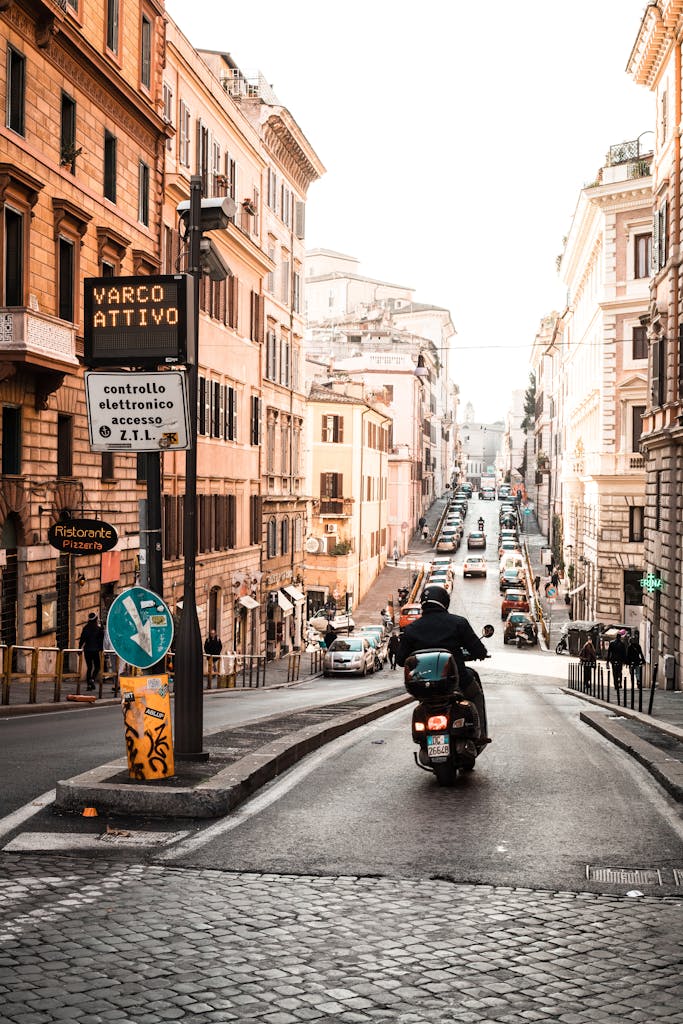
(562, 644)
(524, 636)
(445, 724)
(480, 524)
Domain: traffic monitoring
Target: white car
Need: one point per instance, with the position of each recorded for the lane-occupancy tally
(349, 655)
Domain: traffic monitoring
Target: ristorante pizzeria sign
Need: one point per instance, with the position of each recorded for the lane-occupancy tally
(138, 321)
(82, 536)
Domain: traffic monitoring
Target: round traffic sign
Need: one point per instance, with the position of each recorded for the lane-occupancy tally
(550, 592)
(140, 627)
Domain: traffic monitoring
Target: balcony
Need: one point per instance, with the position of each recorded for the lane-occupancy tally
(38, 340)
(620, 464)
(342, 507)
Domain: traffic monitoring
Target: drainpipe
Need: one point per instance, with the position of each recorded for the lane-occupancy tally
(360, 506)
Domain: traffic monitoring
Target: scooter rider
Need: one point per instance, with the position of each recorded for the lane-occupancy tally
(438, 628)
(481, 525)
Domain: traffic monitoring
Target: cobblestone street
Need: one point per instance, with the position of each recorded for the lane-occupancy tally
(90, 941)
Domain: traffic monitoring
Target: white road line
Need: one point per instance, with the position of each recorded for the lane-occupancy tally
(11, 821)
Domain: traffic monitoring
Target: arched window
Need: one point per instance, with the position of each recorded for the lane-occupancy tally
(272, 538)
(284, 536)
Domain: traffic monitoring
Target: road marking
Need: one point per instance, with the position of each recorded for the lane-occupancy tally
(9, 823)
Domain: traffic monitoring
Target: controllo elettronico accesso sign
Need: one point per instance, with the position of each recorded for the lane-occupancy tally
(82, 536)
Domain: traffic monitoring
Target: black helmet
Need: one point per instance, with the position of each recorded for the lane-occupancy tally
(436, 595)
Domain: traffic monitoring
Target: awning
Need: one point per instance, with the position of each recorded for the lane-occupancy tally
(576, 590)
(286, 606)
(295, 594)
(248, 602)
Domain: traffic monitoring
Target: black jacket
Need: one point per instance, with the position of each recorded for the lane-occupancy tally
(438, 628)
(213, 645)
(616, 652)
(92, 636)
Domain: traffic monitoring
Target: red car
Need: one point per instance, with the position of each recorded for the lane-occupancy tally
(514, 601)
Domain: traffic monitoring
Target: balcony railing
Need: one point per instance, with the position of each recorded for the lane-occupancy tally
(336, 507)
(29, 336)
(620, 464)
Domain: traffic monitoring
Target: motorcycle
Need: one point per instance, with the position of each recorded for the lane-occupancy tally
(445, 724)
(562, 644)
(524, 635)
(480, 524)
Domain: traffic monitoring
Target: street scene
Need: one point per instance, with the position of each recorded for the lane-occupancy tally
(341, 421)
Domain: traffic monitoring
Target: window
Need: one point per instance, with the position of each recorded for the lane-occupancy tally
(16, 90)
(637, 413)
(113, 25)
(168, 110)
(639, 350)
(107, 467)
(331, 485)
(110, 167)
(67, 153)
(296, 292)
(203, 155)
(64, 445)
(255, 519)
(333, 429)
(271, 355)
(66, 280)
(11, 439)
(272, 538)
(284, 281)
(146, 52)
(184, 135)
(284, 449)
(14, 258)
(642, 255)
(255, 419)
(658, 372)
(270, 446)
(284, 361)
(636, 524)
(284, 536)
(143, 193)
(230, 426)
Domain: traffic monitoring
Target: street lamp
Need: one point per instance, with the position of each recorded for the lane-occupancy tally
(198, 215)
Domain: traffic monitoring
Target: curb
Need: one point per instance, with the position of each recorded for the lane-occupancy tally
(668, 771)
(216, 796)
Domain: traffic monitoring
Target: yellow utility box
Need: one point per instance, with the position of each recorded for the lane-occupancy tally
(146, 707)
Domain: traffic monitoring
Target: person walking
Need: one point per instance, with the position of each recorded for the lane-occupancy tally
(617, 656)
(213, 646)
(555, 579)
(425, 532)
(394, 642)
(91, 642)
(396, 554)
(330, 635)
(588, 657)
(635, 659)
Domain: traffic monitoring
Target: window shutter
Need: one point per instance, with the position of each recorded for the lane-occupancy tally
(340, 429)
(654, 387)
(655, 242)
(663, 232)
(300, 219)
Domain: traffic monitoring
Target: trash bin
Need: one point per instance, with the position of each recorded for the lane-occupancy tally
(147, 721)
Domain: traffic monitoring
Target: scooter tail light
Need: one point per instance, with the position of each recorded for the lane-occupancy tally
(437, 722)
(419, 727)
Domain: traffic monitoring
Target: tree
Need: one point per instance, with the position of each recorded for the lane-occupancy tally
(530, 404)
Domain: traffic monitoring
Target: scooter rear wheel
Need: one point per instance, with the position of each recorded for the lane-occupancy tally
(446, 774)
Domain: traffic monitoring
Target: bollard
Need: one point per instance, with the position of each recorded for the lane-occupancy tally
(146, 707)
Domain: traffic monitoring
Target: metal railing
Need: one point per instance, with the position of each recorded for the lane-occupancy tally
(598, 680)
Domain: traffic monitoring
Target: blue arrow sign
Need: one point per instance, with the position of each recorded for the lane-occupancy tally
(140, 627)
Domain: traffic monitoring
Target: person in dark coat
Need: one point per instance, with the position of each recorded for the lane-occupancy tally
(635, 659)
(438, 628)
(617, 656)
(213, 644)
(393, 646)
(91, 642)
(330, 635)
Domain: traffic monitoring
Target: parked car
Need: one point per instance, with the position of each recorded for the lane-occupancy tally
(349, 654)
(474, 565)
(378, 641)
(448, 542)
(514, 601)
(440, 579)
(408, 614)
(476, 539)
(504, 491)
(508, 545)
(514, 621)
(340, 623)
(514, 577)
(442, 563)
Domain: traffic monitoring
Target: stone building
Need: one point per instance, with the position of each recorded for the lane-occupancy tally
(655, 64)
(605, 266)
(81, 175)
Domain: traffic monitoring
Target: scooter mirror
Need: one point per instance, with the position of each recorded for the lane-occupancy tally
(488, 631)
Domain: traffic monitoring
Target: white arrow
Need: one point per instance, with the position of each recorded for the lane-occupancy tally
(143, 633)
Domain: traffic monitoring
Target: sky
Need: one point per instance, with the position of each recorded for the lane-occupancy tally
(456, 137)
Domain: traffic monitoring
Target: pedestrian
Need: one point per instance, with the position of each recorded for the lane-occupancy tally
(425, 532)
(555, 579)
(421, 521)
(547, 585)
(588, 658)
(91, 642)
(617, 656)
(213, 646)
(635, 659)
(393, 648)
(537, 583)
(330, 635)
(396, 554)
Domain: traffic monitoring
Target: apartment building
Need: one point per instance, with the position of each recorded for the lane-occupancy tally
(655, 64)
(606, 267)
(81, 174)
(348, 442)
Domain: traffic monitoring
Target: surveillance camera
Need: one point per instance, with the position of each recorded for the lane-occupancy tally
(212, 262)
(216, 213)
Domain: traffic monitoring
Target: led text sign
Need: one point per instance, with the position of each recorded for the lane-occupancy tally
(138, 321)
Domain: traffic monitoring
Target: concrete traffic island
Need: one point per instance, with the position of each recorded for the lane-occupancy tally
(241, 761)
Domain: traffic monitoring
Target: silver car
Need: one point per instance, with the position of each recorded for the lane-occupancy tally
(352, 654)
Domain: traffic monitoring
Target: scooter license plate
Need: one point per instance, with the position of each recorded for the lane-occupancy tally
(438, 747)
